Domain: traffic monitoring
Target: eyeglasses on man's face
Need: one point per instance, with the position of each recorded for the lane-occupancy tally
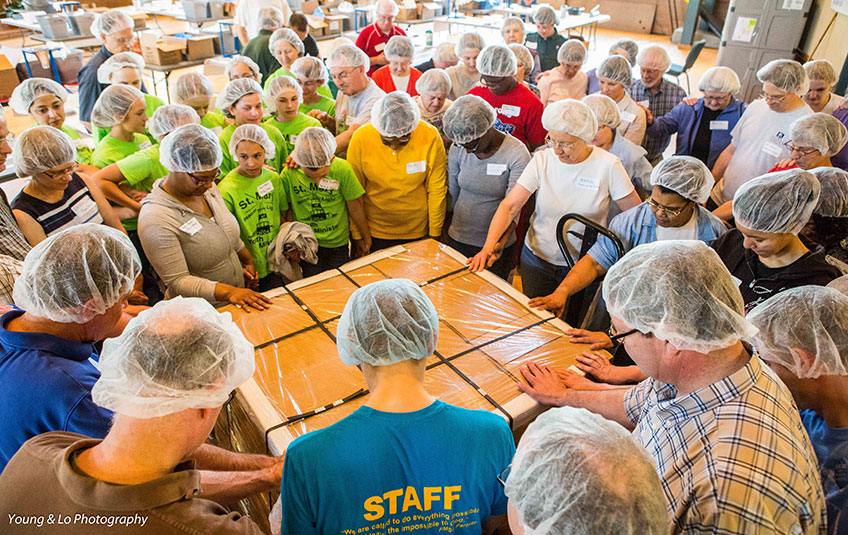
(615, 337)
(795, 148)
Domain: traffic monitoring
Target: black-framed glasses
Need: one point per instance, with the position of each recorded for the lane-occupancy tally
(615, 337)
(56, 174)
(504, 475)
(674, 212)
(202, 180)
(231, 397)
(795, 148)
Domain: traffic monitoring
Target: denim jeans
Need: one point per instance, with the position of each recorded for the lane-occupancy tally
(538, 277)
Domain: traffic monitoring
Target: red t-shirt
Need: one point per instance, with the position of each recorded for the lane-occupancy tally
(519, 113)
(383, 78)
(372, 41)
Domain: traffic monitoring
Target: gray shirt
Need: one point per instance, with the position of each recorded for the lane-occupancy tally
(477, 187)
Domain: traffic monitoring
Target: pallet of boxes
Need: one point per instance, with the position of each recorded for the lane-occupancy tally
(323, 23)
(411, 10)
(163, 50)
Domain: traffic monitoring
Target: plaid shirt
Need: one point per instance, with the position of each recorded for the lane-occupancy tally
(733, 457)
(668, 96)
(12, 241)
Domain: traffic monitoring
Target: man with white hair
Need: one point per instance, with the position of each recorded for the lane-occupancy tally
(372, 39)
(444, 56)
(270, 20)
(722, 428)
(246, 19)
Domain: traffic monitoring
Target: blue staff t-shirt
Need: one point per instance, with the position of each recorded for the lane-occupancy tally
(831, 447)
(424, 472)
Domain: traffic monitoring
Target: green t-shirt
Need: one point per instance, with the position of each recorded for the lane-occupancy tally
(259, 216)
(153, 103)
(214, 119)
(327, 105)
(83, 149)
(291, 129)
(141, 170)
(109, 150)
(323, 90)
(229, 162)
(324, 208)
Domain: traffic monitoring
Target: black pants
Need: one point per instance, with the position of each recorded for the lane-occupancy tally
(149, 277)
(328, 258)
(269, 282)
(501, 266)
(381, 243)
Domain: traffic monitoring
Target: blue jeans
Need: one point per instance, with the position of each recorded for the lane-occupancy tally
(538, 277)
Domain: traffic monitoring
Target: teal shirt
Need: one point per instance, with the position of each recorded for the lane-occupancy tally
(229, 162)
(546, 48)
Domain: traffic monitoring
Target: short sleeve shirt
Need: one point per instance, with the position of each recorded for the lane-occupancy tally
(519, 113)
(109, 150)
(291, 129)
(140, 171)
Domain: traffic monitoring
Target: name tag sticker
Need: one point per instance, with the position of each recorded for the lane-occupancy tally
(145, 145)
(718, 125)
(191, 227)
(416, 167)
(736, 281)
(772, 149)
(82, 143)
(294, 139)
(627, 117)
(329, 183)
(643, 102)
(587, 182)
(217, 130)
(531, 45)
(496, 169)
(509, 110)
(380, 47)
(265, 188)
(85, 207)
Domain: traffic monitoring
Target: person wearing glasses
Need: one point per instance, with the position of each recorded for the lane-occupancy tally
(242, 67)
(545, 40)
(828, 226)
(403, 453)
(570, 176)
(757, 140)
(813, 139)
(764, 252)
(188, 234)
(373, 39)
(356, 97)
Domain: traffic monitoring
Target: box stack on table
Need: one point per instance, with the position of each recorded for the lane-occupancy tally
(159, 49)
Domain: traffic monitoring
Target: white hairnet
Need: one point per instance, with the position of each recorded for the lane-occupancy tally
(654, 57)
(512, 21)
(605, 110)
(113, 105)
(522, 54)
(445, 52)
(721, 79)
(122, 60)
(687, 176)
(181, 354)
(42, 148)
(309, 68)
(433, 81)
(399, 47)
(190, 148)
(833, 193)
(279, 85)
(821, 131)
(617, 69)
(241, 60)
(192, 85)
(576, 473)
(572, 117)
(468, 118)
(170, 116)
(545, 15)
(314, 148)
(271, 18)
(572, 51)
(787, 75)
(287, 35)
(386, 322)
(77, 274)
(387, 7)
(497, 60)
(110, 22)
(346, 55)
(821, 69)
(809, 319)
(840, 284)
(254, 133)
(679, 291)
(778, 203)
(629, 46)
(32, 88)
(235, 90)
(469, 41)
(395, 115)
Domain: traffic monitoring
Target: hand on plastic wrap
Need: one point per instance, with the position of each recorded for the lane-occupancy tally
(574, 380)
(543, 384)
(597, 339)
(554, 302)
(245, 299)
(597, 366)
(484, 259)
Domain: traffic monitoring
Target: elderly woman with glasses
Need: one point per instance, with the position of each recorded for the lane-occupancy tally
(188, 234)
(570, 176)
(813, 140)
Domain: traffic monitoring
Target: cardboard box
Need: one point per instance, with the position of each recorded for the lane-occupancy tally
(317, 26)
(195, 46)
(430, 10)
(335, 23)
(408, 10)
(158, 52)
(8, 78)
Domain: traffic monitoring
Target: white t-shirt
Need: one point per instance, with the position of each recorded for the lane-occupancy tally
(689, 231)
(247, 14)
(832, 104)
(585, 188)
(759, 139)
(400, 82)
(356, 109)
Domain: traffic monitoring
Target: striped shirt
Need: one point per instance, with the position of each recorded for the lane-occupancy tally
(76, 207)
(733, 457)
(12, 240)
(667, 97)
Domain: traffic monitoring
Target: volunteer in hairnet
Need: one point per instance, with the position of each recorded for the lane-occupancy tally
(165, 379)
(703, 128)
(387, 448)
(242, 67)
(679, 314)
(566, 80)
(820, 96)
(525, 63)
(813, 139)
(188, 234)
(519, 111)
(312, 75)
(257, 49)
(513, 33)
(626, 48)
(125, 69)
(195, 90)
(433, 89)
(811, 358)
(615, 77)
(444, 56)
(679, 185)
(483, 166)
(546, 41)
(398, 74)
(286, 47)
(575, 472)
(828, 226)
(570, 176)
(764, 252)
(464, 75)
(400, 162)
(120, 112)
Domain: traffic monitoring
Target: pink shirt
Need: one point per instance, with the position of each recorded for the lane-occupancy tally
(555, 86)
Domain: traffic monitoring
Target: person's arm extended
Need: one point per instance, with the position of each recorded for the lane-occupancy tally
(228, 476)
(108, 179)
(586, 270)
(343, 139)
(723, 160)
(356, 209)
(628, 202)
(436, 186)
(507, 211)
(725, 211)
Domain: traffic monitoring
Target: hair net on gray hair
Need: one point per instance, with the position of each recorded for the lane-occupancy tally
(254, 133)
(605, 110)
(821, 69)
(287, 35)
(77, 274)
(399, 47)
(497, 60)
(522, 54)
(512, 22)
(386, 322)
(42, 148)
(777, 203)
(113, 105)
(617, 69)
(241, 60)
(192, 85)
(445, 53)
(545, 15)
(840, 284)
(32, 88)
(271, 18)
(572, 117)
(629, 46)
(190, 149)
(122, 60)
(277, 86)
(170, 116)
(346, 55)
(469, 41)
(309, 68)
(314, 148)
(822, 335)
(235, 90)
(576, 473)
(572, 51)
(679, 291)
(687, 176)
(386, 7)
(787, 75)
(110, 22)
(821, 131)
(468, 118)
(433, 81)
(180, 354)
(721, 79)
(833, 194)
(395, 115)
(654, 57)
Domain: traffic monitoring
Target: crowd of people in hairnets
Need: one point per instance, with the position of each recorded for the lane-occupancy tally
(724, 297)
